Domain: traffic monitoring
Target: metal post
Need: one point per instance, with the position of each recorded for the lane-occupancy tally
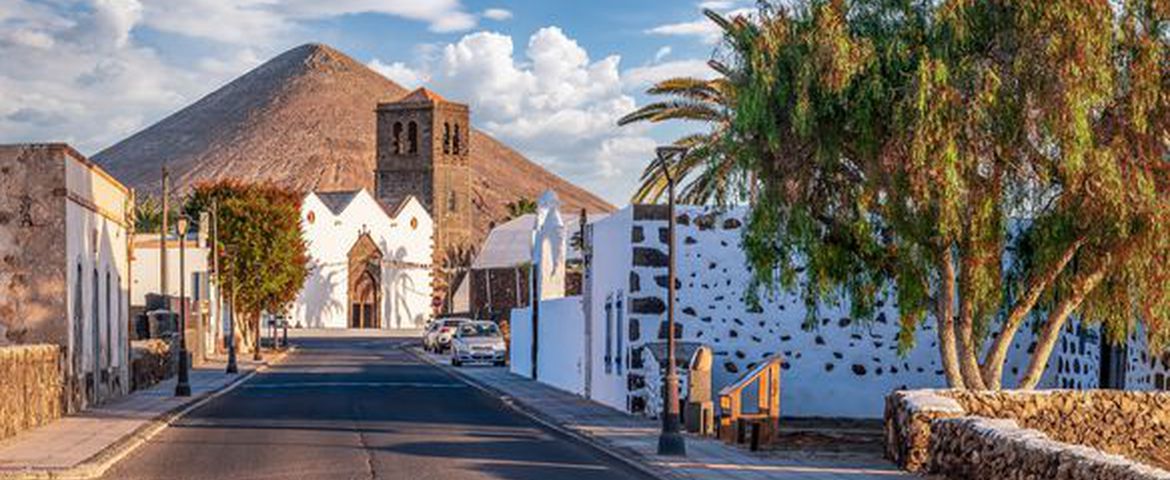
(162, 236)
(183, 387)
(231, 366)
(231, 337)
(670, 441)
(535, 314)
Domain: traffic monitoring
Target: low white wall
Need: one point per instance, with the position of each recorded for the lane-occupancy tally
(561, 359)
(520, 342)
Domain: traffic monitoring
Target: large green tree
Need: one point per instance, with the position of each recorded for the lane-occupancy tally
(993, 160)
(263, 258)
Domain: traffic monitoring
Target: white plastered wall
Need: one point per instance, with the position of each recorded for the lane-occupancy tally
(97, 245)
(405, 241)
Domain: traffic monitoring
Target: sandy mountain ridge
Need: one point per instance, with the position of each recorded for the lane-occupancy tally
(305, 119)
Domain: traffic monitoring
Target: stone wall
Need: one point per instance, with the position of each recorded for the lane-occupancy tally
(984, 448)
(1135, 425)
(151, 361)
(31, 392)
(32, 245)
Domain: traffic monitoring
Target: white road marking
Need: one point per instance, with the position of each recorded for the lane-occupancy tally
(353, 385)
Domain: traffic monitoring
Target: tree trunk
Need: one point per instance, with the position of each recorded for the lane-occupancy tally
(1055, 323)
(993, 363)
(946, 321)
(968, 348)
(256, 325)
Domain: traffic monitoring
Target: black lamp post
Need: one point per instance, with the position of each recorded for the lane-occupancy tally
(183, 387)
(231, 338)
(670, 441)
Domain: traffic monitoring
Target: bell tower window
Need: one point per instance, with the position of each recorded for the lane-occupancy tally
(447, 137)
(457, 140)
(412, 138)
(396, 139)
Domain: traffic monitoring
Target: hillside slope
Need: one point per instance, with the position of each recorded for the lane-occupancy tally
(305, 119)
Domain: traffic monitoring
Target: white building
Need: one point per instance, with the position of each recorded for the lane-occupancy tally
(198, 289)
(64, 238)
(369, 266)
(597, 345)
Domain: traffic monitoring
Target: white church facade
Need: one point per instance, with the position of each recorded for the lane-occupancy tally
(369, 266)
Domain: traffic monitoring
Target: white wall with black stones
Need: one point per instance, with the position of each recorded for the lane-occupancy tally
(841, 367)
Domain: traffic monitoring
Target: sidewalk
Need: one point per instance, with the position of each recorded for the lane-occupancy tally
(85, 444)
(636, 438)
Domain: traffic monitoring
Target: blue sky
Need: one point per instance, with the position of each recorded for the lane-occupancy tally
(548, 78)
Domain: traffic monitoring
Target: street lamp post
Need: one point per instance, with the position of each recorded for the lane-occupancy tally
(231, 338)
(670, 441)
(183, 387)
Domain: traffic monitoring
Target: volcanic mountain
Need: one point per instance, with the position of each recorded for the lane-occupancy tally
(305, 119)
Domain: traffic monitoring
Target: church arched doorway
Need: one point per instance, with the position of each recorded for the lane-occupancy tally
(365, 283)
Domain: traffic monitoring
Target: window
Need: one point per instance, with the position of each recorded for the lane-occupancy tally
(620, 330)
(396, 139)
(447, 138)
(609, 335)
(452, 201)
(77, 321)
(457, 140)
(117, 319)
(109, 320)
(412, 138)
(96, 330)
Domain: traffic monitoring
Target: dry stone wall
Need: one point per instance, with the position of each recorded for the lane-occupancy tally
(984, 448)
(151, 361)
(1134, 425)
(31, 387)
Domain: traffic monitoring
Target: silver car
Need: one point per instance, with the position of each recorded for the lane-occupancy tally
(478, 342)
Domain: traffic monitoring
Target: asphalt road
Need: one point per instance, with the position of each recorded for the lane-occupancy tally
(360, 408)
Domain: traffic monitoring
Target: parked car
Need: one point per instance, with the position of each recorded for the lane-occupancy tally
(439, 339)
(430, 335)
(478, 342)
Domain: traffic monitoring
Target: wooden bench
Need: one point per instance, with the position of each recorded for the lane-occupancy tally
(752, 428)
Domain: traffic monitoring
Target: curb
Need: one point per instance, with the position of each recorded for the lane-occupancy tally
(98, 464)
(630, 459)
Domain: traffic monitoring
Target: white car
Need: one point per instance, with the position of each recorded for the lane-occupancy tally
(438, 336)
(478, 342)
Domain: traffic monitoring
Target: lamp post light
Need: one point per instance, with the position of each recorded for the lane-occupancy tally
(670, 441)
(183, 387)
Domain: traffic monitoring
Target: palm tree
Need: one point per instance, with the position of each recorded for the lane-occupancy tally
(709, 169)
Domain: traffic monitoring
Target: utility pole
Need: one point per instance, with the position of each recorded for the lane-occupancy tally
(162, 237)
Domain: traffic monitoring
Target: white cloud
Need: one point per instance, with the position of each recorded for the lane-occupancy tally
(661, 53)
(640, 77)
(703, 28)
(498, 14)
(717, 4)
(81, 77)
(552, 102)
(400, 73)
(251, 21)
